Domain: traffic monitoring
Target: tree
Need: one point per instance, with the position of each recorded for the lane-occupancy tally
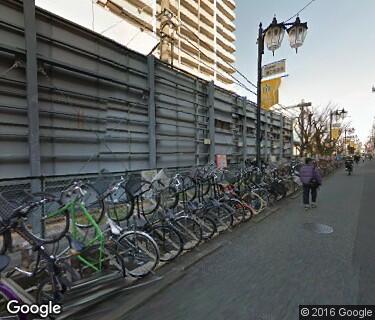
(313, 131)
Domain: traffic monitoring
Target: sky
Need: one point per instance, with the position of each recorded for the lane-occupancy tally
(335, 64)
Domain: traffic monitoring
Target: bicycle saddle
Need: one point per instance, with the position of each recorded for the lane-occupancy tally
(76, 246)
(115, 228)
(4, 262)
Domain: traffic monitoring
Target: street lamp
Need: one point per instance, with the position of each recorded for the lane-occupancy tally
(297, 34)
(273, 36)
(336, 113)
(350, 131)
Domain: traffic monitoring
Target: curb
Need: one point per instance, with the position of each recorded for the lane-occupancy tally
(170, 277)
(266, 214)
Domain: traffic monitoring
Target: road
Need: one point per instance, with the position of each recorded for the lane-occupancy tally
(265, 270)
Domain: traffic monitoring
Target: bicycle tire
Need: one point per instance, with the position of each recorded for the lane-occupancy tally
(45, 286)
(149, 200)
(223, 217)
(190, 231)
(169, 241)
(208, 226)
(255, 200)
(130, 249)
(118, 261)
(190, 188)
(119, 205)
(240, 210)
(170, 198)
(93, 204)
(7, 294)
(5, 241)
(49, 232)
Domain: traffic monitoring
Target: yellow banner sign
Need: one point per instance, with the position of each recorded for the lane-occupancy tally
(270, 93)
(335, 133)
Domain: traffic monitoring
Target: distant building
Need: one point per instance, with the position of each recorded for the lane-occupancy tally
(203, 30)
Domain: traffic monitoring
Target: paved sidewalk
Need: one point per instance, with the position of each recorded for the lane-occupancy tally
(265, 270)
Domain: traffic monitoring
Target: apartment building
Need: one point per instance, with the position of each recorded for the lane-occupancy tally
(198, 34)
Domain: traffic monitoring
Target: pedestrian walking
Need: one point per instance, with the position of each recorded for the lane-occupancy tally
(311, 180)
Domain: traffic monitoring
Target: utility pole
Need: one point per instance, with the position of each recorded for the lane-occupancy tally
(302, 107)
(164, 31)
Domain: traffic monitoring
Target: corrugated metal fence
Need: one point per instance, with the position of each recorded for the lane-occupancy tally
(102, 105)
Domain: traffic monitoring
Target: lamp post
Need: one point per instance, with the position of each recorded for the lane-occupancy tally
(273, 36)
(331, 114)
(350, 131)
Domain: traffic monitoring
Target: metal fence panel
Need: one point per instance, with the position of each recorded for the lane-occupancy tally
(94, 98)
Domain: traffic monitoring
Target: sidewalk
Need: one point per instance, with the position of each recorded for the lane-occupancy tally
(265, 271)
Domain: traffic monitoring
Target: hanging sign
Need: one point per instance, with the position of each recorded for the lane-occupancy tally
(273, 68)
(270, 93)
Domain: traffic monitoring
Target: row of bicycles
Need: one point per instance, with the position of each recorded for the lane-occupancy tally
(126, 226)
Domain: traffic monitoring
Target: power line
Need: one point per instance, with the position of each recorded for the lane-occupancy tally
(238, 71)
(234, 78)
(300, 11)
(205, 64)
(93, 15)
(220, 74)
(112, 26)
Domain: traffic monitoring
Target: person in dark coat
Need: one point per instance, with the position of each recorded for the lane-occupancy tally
(311, 180)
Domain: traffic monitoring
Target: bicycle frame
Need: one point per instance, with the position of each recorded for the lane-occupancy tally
(98, 238)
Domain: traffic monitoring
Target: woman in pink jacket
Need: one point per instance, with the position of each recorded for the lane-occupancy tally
(311, 180)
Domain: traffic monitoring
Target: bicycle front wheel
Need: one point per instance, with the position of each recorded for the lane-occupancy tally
(52, 218)
(168, 240)
(6, 295)
(190, 231)
(139, 252)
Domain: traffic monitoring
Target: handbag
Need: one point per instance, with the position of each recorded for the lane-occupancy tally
(313, 183)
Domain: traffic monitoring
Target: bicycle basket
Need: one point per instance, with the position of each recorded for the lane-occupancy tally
(134, 184)
(11, 200)
(229, 177)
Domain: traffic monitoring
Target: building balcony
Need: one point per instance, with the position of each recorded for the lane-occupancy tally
(227, 23)
(129, 12)
(187, 17)
(230, 3)
(207, 36)
(206, 54)
(225, 9)
(207, 19)
(207, 72)
(226, 56)
(187, 60)
(224, 43)
(224, 79)
(143, 5)
(191, 5)
(227, 34)
(229, 45)
(208, 7)
(224, 66)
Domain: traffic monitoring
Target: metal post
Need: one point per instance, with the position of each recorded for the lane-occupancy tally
(281, 138)
(330, 126)
(211, 119)
(165, 28)
(259, 94)
(196, 100)
(292, 138)
(151, 112)
(244, 131)
(302, 150)
(266, 130)
(32, 101)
